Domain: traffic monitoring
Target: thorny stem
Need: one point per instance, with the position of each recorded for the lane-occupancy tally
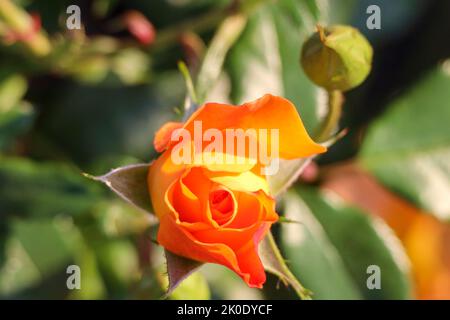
(283, 271)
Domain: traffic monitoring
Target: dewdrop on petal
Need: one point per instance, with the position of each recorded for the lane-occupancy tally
(337, 57)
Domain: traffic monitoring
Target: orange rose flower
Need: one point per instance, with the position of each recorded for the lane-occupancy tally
(219, 212)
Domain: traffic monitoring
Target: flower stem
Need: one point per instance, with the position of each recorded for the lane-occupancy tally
(189, 83)
(274, 263)
(329, 125)
(226, 35)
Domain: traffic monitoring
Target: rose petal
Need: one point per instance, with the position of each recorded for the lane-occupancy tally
(161, 175)
(162, 136)
(181, 242)
(246, 181)
(268, 112)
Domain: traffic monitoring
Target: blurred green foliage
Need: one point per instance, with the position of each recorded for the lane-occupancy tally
(409, 147)
(95, 102)
(323, 242)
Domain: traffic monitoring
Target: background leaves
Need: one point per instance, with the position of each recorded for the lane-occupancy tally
(96, 102)
(270, 63)
(408, 148)
(44, 190)
(327, 222)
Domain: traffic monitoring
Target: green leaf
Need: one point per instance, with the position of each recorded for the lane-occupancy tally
(43, 190)
(13, 278)
(119, 263)
(12, 89)
(15, 115)
(408, 148)
(92, 284)
(361, 241)
(36, 250)
(13, 122)
(290, 170)
(266, 57)
(191, 102)
(311, 255)
(274, 263)
(118, 218)
(211, 69)
(37, 237)
(89, 123)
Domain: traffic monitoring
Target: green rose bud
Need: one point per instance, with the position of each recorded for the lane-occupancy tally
(337, 58)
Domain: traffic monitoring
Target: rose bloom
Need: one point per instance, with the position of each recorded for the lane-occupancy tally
(219, 213)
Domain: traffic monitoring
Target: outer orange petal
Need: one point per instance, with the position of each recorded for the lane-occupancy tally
(245, 263)
(162, 136)
(249, 261)
(161, 175)
(268, 112)
(186, 203)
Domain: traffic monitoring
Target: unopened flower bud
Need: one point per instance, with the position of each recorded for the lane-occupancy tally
(337, 57)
